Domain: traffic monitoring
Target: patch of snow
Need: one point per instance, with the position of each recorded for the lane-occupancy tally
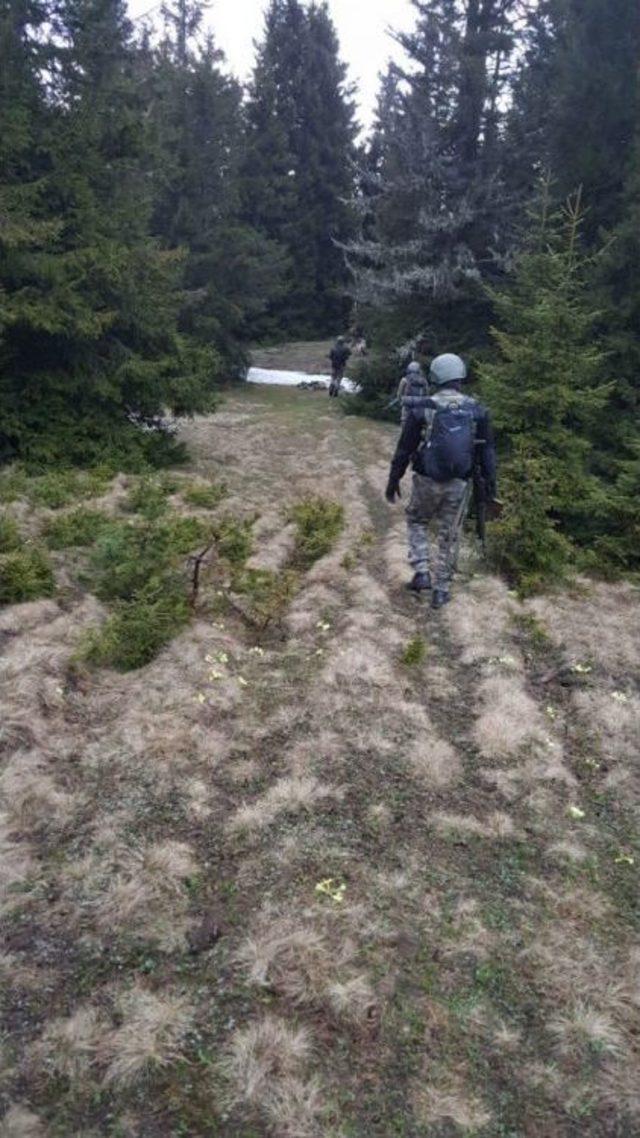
(293, 378)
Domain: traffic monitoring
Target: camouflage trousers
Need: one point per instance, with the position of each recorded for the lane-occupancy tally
(443, 504)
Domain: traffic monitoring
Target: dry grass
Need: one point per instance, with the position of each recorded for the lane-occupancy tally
(308, 967)
(20, 1122)
(150, 1038)
(496, 827)
(451, 1103)
(136, 893)
(599, 624)
(434, 762)
(295, 1109)
(480, 621)
(585, 1027)
(17, 864)
(615, 717)
(31, 797)
(509, 719)
(263, 1057)
(288, 796)
(162, 853)
(72, 1047)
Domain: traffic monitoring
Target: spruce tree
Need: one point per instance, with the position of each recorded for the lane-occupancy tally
(299, 167)
(575, 108)
(436, 217)
(545, 392)
(89, 338)
(617, 285)
(232, 272)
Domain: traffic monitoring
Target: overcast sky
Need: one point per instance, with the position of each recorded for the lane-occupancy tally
(362, 27)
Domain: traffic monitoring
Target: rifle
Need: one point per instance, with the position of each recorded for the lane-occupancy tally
(484, 507)
(480, 505)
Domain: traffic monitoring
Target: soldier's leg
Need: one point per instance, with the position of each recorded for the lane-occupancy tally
(461, 518)
(419, 513)
(452, 501)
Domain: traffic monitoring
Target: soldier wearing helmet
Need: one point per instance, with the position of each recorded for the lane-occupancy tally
(338, 355)
(413, 385)
(444, 436)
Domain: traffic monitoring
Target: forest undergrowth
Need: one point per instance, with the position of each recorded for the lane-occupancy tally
(284, 853)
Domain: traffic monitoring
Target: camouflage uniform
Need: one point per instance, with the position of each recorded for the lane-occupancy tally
(443, 503)
(446, 502)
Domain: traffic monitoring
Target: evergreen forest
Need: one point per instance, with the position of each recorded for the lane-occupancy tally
(157, 218)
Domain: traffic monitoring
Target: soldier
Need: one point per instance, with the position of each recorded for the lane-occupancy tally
(445, 435)
(412, 385)
(338, 355)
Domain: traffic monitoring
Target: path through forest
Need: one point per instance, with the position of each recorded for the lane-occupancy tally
(371, 872)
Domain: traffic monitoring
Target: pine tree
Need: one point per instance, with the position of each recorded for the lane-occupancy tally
(576, 105)
(617, 286)
(299, 168)
(435, 212)
(545, 392)
(89, 337)
(232, 272)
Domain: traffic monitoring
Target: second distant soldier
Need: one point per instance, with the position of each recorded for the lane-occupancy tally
(338, 355)
(412, 386)
(444, 435)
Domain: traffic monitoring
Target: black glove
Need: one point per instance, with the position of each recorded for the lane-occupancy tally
(393, 490)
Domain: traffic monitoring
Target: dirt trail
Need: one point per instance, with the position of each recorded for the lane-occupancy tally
(375, 898)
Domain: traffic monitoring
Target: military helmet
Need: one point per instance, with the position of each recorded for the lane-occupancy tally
(414, 369)
(448, 369)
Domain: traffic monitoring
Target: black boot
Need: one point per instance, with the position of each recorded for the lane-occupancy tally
(420, 583)
(440, 597)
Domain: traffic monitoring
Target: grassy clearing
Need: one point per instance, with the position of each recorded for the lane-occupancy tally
(316, 882)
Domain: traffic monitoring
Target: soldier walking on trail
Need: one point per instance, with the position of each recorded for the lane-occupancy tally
(338, 355)
(412, 385)
(445, 436)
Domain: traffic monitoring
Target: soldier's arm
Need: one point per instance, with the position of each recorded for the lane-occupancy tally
(408, 444)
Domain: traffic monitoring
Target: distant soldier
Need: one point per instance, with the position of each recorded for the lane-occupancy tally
(338, 355)
(444, 435)
(413, 385)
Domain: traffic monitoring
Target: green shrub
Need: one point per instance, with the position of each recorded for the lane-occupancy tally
(131, 557)
(148, 497)
(533, 629)
(134, 634)
(319, 522)
(10, 539)
(234, 539)
(525, 543)
(25, 575)
(415, 653)
(377, 377)
(59, 487)
(79, 528)
(183, 535)
(207, 497)
(13, 484)
(267, 594)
